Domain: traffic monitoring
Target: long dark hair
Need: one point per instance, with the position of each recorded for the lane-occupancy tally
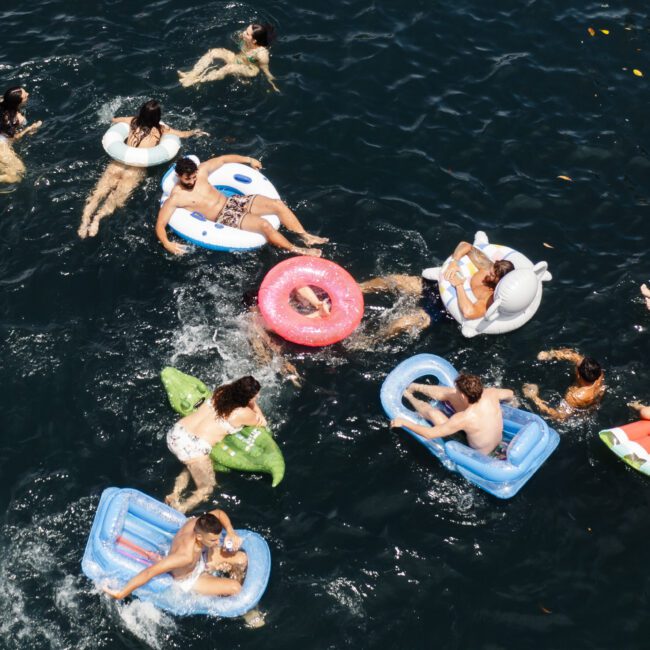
(264, 34)
(231, 396)
(148, 118)
(9, 104)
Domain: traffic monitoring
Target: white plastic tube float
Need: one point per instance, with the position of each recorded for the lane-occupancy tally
(516, 298)
(230, 179)
(114, 143)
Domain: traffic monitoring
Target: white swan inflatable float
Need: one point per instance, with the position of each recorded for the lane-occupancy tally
(516, 298)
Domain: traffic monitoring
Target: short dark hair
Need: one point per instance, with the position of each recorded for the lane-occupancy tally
(208, 524)
(185, 166)
(471, 386)
(499, 269)
(589, 369)
(263, 34)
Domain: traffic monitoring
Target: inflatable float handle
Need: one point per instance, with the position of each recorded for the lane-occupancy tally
(480, 238)
(432, 274)
(493, 312)
(541, 271)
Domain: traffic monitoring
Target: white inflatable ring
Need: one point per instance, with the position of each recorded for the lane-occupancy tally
(231, 178)
(115, 146)
(516, 297)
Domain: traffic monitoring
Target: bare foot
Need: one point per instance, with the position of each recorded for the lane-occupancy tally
(530, 390)
(254, 619)
(311, 252)
(310, 240)
(93, 228)
(645, 291)
(172, 500)
(83, 231)
(182, 74)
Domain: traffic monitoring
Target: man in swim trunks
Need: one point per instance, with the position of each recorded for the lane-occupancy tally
(477, 413)
(587, 390)
(483, 284)
(195, 551)
(194, 193)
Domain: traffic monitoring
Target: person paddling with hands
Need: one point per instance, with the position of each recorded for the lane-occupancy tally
(477, 413)
(194, 193)
(196, 550)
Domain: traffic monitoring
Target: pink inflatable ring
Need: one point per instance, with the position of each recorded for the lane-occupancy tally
(345, 298)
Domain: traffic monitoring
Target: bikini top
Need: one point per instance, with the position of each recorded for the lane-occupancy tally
(252, 59)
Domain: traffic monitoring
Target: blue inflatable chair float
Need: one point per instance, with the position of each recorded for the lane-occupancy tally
(132, 530)
(530, 440)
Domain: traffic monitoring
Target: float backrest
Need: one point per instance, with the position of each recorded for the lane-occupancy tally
(524, 442)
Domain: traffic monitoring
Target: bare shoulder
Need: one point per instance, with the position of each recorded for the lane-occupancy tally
(262, 55)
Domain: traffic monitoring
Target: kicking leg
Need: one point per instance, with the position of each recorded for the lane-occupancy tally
(105, 185)
(191, 77)
(645, 292)
(126, 183)
(12, 168)
(235, 69)
(205, 481)
(262, 226)
(263, 205)
(180, 485)
(407, 284)
(425, 409)
(413, 322)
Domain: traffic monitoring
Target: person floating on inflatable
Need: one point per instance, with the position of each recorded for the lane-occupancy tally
(253, 56)
(194, 193)
(196, 550)
(119, 180)
(477, 413)
(587, 391)
(231, 407)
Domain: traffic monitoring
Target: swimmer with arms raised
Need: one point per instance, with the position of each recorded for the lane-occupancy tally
(253, 56)
(118, 181)
(477, 412)
(12, 129)
(194, 193)
(587, 391)
(195, 550)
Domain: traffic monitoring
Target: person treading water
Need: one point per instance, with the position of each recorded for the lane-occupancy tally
(194, 193)
(119, 180)
(477, 413)
(253, 56)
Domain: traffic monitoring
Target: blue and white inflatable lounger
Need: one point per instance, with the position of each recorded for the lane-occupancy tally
(132, 529)
(230, 179)
(530, 440)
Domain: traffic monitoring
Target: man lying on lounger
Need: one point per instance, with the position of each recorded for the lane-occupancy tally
(477, 413)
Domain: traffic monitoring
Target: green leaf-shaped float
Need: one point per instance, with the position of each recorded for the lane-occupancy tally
(252, 449)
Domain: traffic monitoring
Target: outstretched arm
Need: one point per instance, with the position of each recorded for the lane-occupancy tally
(562, 354)
(468, 309)
(453, 425)
(531, 391)
(213, 164)
(164, 215)
(171, 562)
(184, 134)
(28, 129)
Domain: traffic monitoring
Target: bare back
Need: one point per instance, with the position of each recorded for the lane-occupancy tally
(204, 423)
(483, 421)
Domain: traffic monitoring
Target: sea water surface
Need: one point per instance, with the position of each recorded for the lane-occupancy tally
(401, 128)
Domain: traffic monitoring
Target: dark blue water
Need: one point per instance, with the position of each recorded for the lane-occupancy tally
(401, 128)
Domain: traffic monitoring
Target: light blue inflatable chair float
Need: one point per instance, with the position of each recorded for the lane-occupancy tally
(530, 440)
(132, 530)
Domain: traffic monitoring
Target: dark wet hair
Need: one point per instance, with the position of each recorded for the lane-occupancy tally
(208, 524)
(250, 298)
(147, 118)
(231, 396)
(263, 34)
(589, 369)
(9, 104)
(499, 269)
(185, 166)
(471, 386)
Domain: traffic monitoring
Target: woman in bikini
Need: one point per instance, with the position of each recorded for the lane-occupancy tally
(12, 128)
(252, 57)
(119, 180)
(231, 407)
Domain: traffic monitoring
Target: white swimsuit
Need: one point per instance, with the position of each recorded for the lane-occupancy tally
(187, 583)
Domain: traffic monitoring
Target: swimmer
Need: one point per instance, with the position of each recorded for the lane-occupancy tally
(477, 413)
(264, 346)
(641, 409)
(12, 129)
(194, 193)
(645, 292)
(195, 550)
(587, 390)
(231, 407)
(253, 56)
(119, 180)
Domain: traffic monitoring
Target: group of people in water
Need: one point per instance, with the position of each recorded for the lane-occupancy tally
(201, 559)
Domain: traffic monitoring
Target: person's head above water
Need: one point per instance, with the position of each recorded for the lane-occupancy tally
(259, 34)
(236, 395)
(469, 385)
(499, 269)
(589, 370)
(11, 101)
(186, 169)
(148, 118)
(208, 529)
